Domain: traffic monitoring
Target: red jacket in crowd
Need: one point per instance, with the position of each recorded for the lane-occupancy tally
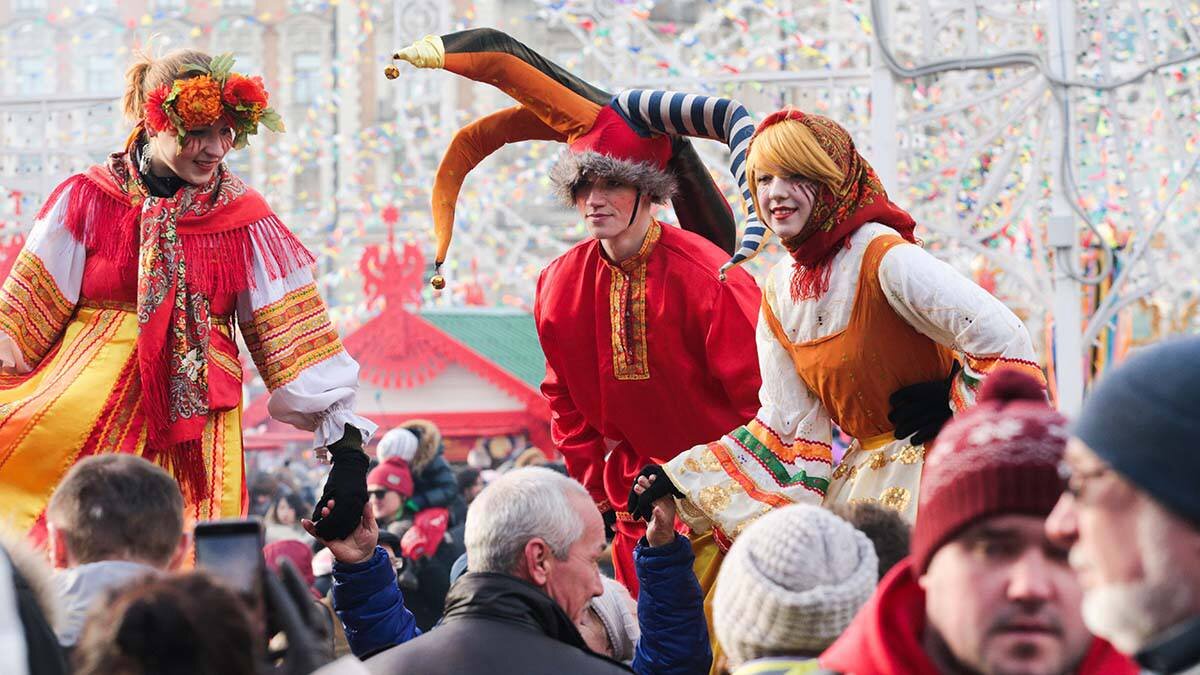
(885, 636)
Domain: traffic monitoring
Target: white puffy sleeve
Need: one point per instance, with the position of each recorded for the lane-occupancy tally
(782, 456)
(41, 291)
(312, 380)
(951, 310)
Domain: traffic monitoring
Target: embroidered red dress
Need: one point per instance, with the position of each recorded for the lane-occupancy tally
(117, 335)
(643, 360)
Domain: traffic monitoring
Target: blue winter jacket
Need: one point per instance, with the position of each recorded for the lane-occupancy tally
(674, 637)
(670, 610)
(371, 606)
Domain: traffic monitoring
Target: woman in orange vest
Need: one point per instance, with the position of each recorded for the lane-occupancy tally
(862, 328)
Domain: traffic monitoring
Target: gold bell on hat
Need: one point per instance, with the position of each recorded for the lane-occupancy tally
(437, 280)
(391, 72)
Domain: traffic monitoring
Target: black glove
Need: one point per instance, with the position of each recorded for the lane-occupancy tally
(642, 506)
(920, 410)
(292, 611)
(346, 486)
(610, 524)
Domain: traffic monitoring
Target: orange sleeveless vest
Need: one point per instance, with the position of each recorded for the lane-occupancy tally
(855, 371)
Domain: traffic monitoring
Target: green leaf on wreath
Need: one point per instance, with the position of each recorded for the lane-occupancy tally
(271, 120)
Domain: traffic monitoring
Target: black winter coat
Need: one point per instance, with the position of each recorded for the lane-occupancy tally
(496, 623)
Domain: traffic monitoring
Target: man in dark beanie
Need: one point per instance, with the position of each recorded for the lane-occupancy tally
(983, 590)
(1131, 513)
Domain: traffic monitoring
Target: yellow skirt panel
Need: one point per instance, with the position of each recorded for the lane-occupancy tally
(83, 399)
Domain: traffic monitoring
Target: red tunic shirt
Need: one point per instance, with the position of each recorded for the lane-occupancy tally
(647, 358)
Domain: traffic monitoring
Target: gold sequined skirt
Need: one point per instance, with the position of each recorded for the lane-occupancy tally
(881, 470)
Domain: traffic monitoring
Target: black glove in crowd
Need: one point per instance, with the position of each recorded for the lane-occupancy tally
(290, 610)
(920, 410)
(642, 506)
(346, 486)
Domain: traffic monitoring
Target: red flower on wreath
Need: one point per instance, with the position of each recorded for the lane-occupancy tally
(248, 93)
(156, 117)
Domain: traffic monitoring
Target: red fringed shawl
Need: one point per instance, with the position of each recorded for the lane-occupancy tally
(185, 250)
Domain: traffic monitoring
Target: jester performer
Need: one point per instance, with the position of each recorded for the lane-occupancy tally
(117, 320)
(861, 327)
(645, 346)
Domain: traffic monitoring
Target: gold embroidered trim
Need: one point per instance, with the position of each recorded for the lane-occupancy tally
(909, 454)
(33, 312)
(895, 498)
(627, 311)
(119, 305)
(717, 498)
(741, 527)
(224, 361)
(290, 335)
(705, 463)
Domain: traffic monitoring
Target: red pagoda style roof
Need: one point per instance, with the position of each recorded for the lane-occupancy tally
(402, 355)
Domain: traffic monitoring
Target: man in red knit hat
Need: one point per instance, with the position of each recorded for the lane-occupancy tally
(984, 590)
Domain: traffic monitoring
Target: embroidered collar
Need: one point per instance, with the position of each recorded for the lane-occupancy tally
(652, 236)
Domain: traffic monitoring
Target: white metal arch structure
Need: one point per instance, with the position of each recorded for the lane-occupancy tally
(1030, 137)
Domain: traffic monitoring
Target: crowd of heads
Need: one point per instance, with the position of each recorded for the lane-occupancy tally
(1036, 534)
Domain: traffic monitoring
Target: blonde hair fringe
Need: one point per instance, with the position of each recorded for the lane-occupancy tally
(789, 148)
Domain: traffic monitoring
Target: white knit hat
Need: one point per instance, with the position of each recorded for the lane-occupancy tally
(398, 442)
(618, 612)
(791, 584)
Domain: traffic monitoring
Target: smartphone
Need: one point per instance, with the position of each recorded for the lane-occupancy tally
(232, 551)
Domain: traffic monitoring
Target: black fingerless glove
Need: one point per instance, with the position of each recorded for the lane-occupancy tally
(642, 506)
(346, 486)
(920, 410)
(610, 524)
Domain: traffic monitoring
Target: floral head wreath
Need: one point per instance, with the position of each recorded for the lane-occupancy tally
(216, 94)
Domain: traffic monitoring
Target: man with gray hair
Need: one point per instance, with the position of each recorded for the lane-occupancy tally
(532, 537)
(1131, 512)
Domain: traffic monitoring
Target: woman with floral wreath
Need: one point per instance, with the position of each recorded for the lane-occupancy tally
(860, 327)
(117, 319)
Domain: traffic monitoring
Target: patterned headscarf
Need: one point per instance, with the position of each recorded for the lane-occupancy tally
(836, 214)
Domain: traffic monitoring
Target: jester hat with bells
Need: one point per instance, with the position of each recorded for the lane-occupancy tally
(638, 136)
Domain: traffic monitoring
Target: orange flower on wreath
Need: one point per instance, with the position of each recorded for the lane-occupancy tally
(246, 94)
(198, 102)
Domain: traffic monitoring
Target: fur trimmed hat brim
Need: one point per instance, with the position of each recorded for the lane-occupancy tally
(571, 168)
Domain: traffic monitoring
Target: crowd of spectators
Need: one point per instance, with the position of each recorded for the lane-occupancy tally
(1043, 545)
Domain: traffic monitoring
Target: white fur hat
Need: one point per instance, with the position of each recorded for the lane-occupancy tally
(791, 584)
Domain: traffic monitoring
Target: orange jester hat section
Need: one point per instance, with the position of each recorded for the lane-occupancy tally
(117, 335)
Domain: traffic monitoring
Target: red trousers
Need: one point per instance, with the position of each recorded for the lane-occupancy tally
(626, 539)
